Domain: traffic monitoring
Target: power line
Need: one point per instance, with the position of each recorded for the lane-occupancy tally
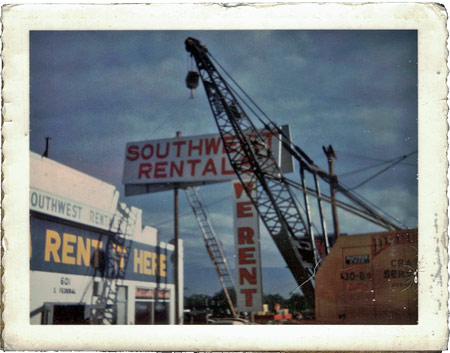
(355, 155)
(356, 171)
(382, 171)
(377, 165)
(165, 121)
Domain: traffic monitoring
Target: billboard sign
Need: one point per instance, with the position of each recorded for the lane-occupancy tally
(61, 248)
(61, 207)
(249, 294)
(155, 165)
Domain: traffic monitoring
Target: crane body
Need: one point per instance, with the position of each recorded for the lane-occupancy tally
(255, 165)
(291, 229)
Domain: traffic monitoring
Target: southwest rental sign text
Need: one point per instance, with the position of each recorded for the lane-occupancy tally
(186, 159)
(55, 205)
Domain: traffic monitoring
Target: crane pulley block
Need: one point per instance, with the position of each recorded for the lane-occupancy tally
(192, 79)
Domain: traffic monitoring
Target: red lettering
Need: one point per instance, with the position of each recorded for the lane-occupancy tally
(209, 167)
(212, 144)
(238, 188)
(133, 151)
(198, 147)
(268, 136)
(160, 170)
(245, 235)
(178, 145)
(228, 144)
(145, 169)
(158, 152)
(246, 256)
(244, 209)
(269, 139)
(150, 153)
(179, 169)
(245, 275)
(223, 170)
(248, 296)
(193, 163)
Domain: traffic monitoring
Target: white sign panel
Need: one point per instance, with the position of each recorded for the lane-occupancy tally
(193, 159)
(249, 294)
(55, 205)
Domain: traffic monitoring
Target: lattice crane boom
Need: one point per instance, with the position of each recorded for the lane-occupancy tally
(254, 164)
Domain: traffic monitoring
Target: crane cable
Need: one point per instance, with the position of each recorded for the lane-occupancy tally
(345, 206)
(275, 126)
(356, 155)
(341, 187)
(380, 210)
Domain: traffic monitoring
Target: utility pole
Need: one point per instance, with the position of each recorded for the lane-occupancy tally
(331, 156)
(322, 219)
(175, 262)
(47, 147)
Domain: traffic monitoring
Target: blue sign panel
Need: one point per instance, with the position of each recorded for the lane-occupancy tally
(62, 248)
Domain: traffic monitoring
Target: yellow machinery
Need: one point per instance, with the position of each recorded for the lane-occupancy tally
(369, 279)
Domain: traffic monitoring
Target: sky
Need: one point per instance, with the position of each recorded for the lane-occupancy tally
(94, 91)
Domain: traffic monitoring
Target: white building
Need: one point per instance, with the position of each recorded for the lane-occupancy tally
(91, 260)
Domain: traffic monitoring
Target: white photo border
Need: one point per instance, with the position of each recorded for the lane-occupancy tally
(430, 22)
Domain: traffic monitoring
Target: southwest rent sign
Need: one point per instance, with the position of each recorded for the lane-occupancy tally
(188, 161)
(65, 249)
(157, 165)
(55, 205)
(248, 259)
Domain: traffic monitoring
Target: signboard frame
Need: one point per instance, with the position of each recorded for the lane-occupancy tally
(198, 147)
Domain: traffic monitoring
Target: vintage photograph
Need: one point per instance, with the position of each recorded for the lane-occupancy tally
(121, 121)
(254, 177)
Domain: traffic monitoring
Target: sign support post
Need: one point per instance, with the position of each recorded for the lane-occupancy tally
(177, 284)
(176, 236)
(329, 152)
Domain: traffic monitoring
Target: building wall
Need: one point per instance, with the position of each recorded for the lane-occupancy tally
(71, 215)
(70, 183)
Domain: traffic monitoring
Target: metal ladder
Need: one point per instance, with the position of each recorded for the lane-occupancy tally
(116, 257)
(213, 246)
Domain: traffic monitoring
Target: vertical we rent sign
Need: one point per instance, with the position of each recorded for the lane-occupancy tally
(248, 259)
